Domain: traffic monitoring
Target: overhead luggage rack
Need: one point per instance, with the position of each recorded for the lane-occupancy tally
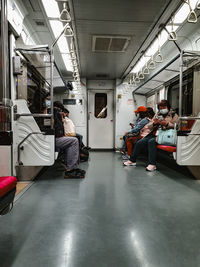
(166, 73)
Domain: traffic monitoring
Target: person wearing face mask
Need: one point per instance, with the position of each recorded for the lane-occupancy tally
(47, 104)
(166, 119)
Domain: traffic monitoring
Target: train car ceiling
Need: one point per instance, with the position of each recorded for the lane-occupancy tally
(108, 34)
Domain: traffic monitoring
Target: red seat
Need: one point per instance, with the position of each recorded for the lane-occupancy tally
(167, 148)
(7, 183)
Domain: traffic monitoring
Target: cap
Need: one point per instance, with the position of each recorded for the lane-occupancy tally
(140, 108)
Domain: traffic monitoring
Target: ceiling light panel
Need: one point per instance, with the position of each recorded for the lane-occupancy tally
(56, 27)
(63, 45)
(51, 8)
(67, 62)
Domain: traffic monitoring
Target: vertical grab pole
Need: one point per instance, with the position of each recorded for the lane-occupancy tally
(4, 51)
(180, 83)
(51, 82)
(52, 68)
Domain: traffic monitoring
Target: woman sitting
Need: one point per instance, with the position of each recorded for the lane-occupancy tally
(166, 119)
(143, 132)
(141, 121)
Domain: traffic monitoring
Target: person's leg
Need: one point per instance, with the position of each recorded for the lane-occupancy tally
(124, 147)
(152, 151)
(80, 138)
(71, 147)
(129, 144)
(138, 147)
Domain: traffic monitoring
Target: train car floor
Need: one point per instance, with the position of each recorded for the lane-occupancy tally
(116, 217)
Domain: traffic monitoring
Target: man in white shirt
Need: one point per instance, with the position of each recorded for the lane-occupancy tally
(69, 128)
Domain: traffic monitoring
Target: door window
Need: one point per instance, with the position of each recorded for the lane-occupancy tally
(100, 107)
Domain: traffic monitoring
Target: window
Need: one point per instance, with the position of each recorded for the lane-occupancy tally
(187, 91)
(100, 107)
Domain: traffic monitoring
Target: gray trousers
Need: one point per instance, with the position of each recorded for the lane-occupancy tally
(71, 147)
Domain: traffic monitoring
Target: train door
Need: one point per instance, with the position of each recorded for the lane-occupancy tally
(100, 119)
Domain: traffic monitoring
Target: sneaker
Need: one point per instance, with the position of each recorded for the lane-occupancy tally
(129, 163)
(151, 168)
(122, 151)
(125, 157)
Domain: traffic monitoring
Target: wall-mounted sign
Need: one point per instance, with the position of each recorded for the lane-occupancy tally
(72, 101)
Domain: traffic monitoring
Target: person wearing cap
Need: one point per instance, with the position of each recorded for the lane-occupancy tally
(141, 121)
(166, 119)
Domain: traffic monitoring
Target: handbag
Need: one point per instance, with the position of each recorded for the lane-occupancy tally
(133, 134)
(167, 137)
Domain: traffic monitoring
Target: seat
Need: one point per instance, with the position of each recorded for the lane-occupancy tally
(170, 149)
(7, 193)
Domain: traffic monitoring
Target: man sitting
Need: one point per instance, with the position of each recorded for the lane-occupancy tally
(70, 129)
(70, 145)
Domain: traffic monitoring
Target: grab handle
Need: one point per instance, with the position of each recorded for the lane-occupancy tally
(65, 16)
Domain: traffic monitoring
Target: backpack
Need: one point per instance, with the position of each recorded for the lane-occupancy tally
(84, 154)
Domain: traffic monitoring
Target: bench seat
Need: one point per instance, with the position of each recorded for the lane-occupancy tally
(170, 149)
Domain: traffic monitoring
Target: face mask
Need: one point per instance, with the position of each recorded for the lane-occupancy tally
(138, 116)
(48, 103)
(164, 111)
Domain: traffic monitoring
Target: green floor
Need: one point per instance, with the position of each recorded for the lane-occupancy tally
(116, 216)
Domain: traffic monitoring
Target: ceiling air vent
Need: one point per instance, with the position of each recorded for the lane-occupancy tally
(40, 23)
(102, 76)
(107, 43)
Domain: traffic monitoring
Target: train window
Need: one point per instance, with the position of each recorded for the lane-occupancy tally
(187, 94)
(100, 107)
(151, 101)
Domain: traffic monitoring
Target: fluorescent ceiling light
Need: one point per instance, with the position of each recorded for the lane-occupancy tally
(163, 37)
(56, 27)
(182, 14)
(67, 62)
(51, 8)
(63, 45)
(193, 3)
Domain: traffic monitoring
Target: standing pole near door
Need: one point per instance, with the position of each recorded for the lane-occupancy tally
(180, 83)
(4, 91)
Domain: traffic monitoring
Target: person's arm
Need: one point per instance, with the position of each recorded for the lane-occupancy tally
(140, 125)
(173, 122)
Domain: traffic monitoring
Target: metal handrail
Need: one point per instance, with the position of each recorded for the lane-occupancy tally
(19, 145)
(34, 115)
(189, 118)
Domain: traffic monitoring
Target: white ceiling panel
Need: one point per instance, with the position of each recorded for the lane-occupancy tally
(134, 18)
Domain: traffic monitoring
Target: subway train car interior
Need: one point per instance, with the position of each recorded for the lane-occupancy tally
(99, 133)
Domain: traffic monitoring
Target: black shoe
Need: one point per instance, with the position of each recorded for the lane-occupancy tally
(81, 171)
(87, 147)
(74, 174)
